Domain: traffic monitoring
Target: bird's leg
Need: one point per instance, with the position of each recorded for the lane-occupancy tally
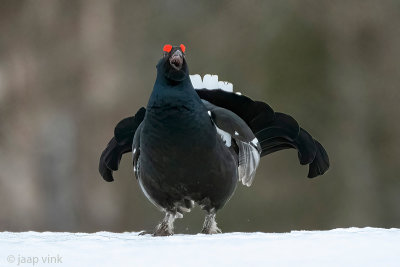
(210, 225)
(166, 226)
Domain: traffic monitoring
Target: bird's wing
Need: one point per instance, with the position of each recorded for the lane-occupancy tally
(120, 144)
(233, 127)
(275, 131)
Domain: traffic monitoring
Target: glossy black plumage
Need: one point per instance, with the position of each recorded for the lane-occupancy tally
(120, 144)
(195, 145)
(274, 130)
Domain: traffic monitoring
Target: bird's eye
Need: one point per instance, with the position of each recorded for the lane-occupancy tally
(183, 48)
(167, 48)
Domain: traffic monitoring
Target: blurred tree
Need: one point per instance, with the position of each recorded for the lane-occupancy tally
(69, 71)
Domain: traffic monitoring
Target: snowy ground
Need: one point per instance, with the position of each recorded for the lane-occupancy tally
(339, 247)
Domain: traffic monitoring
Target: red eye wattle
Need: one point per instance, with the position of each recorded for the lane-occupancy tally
(167, 48)
(183, 48)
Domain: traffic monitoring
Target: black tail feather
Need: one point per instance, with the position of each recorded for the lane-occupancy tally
(273, 145)
(126, 128)
(120, 144)
(282, 126)
(275, 131)
(320, 163)
(283, 134)
(306, 147)
(110, 158)
(243, 106)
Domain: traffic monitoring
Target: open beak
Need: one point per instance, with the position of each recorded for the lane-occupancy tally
(176, 60)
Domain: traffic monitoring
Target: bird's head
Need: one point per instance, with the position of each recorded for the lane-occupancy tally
(173, 64)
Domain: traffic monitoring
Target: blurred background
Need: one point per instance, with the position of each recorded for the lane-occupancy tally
(70, 70)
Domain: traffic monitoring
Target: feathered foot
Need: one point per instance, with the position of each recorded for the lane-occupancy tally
(166, 226)
(210, 225)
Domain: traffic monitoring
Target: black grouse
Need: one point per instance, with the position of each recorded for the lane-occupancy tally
(193, 144)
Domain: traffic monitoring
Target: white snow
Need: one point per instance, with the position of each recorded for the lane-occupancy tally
(339, 247)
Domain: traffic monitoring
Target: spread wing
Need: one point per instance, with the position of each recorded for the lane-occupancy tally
(274, 130)
(120, 144)
(235, 128)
